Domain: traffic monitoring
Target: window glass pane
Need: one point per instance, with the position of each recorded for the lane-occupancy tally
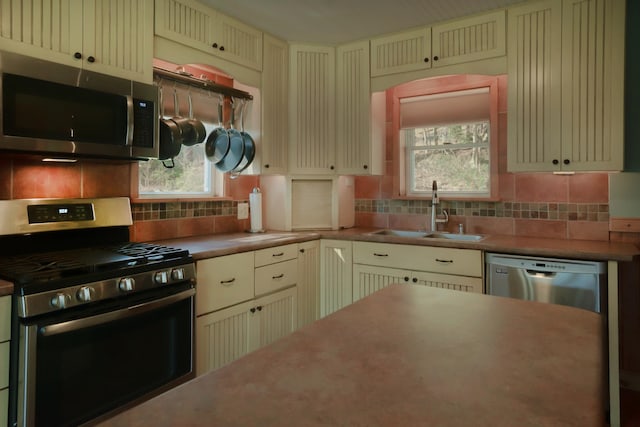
(456, 156)
(191, 174)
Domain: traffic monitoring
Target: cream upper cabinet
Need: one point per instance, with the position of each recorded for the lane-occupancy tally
(312, 110)
(566, 74)
(360, 115)
(107, 36)
(469, 39)
(275, 106)
(593, 84)
(193, 24)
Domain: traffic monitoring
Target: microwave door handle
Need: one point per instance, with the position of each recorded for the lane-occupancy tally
(87, 322)
(129, 120)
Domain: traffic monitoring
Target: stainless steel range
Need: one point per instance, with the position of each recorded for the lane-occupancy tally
(99, 323)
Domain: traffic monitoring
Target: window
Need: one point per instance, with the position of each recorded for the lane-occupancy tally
(449, 137)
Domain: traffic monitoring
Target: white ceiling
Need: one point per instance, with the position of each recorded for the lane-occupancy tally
(341, 21)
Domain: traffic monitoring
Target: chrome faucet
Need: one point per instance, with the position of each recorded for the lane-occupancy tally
(435, 201)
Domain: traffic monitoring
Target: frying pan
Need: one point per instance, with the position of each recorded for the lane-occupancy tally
(217, 145)
(188, 132)
(199, 132)
(249, 143)
(170, 137)
(236, 147)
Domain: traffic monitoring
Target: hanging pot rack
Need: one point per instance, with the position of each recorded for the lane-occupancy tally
(206, 84)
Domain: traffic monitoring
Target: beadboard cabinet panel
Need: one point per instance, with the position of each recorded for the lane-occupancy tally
(397, 53)
(308, 282)
(336, 289)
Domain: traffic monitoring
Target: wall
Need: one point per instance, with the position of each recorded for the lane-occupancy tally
(24, 178)
(530, 204)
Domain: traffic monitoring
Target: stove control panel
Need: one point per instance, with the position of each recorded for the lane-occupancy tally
(60, 212)
(73, 296)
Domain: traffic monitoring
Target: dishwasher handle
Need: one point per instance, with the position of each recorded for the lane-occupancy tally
(538, 273)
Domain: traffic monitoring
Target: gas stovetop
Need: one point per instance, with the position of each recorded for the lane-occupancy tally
(40, 271)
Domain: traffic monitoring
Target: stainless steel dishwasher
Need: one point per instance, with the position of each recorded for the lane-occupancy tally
(557, 281)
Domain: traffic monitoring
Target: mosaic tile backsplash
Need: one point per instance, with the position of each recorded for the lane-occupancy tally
(179, 210)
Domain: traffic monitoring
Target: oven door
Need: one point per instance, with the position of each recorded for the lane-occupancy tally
(88, 367)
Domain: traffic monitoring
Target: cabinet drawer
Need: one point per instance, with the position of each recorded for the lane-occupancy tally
(224, 281)
(5, 318)
(464, 262)
(276, 254)
(4, 364)
(276, 276)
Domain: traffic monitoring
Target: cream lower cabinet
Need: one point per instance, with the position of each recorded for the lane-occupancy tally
(5, 335)
(243, 302)
(336, 288)
(308, 282)
(377, 265)
(107, 36)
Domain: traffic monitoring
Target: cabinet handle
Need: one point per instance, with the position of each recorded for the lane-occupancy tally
(555, 161)
(331, 167)
(77, 55)
(259, 308)
(227, 282)
(301, 251)
(444, 261)
(366, 167)
(414, 280)
(279, 276)
(222, 48)
(266, 166)
(375, 254)
(91, 59)
(278, 254)
(435, 58)
(215, 45)
(252, 309)
(406, 278)
(566, 161)
(426, 59)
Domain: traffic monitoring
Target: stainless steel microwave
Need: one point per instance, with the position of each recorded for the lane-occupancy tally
(54, 109)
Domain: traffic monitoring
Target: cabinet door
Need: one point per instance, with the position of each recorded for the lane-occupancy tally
(402, 52)
(50, 30)
(222, 337)
(336, 289)
(534, 70)
(224, 281)
(118, 38)
(278, 316)
(4, 407)
(448, 281)
(237, 42)
(367, 279)
(359, 139)
(275, 106)
(312, 110)
(592, 84)
(308, 282)
(5, 318)
(469, 39)
(185, 21)
(4, 364)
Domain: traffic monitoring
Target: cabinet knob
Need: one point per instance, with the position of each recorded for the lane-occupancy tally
(91, 59)
(426, 59)
(555, 161)
(222, 48)
(301, 251)
(414, 280)
(331, 167)
(77, 55)
(267, 166)
(435, 58)
(259, 308)
(366, 166)
(406, 278)
(566, 161)
(215, 45)
(252, 309)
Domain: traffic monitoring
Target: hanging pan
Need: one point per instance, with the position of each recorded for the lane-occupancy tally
(170, 137)
(217, 145)
(198, 132)
(249, 143)
(236, 147)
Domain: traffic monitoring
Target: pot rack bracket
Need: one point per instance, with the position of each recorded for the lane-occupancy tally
(188, 79)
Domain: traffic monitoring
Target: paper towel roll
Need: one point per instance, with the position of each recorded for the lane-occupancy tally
(255, 206)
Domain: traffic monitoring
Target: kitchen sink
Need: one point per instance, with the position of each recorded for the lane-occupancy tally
(400, 233)
(428, 235)
(454, 236)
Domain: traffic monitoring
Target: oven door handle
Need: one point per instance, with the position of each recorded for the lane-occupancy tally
(134, 310)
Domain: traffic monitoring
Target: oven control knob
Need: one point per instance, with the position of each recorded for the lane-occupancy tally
(177, 274)
(161, 277)
(60, 300)
(85, 293)
(127, 284)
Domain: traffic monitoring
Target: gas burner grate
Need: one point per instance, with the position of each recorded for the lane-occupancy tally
(150, 252)
(41, 267)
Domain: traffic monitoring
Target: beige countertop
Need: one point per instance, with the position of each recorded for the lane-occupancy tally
(406, 356)
(224, 244)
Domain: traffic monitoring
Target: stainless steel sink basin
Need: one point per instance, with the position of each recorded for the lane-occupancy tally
(423, 234)
(400, 233)
(454, 236)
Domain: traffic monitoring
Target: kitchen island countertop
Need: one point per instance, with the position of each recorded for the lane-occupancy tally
(406, 355)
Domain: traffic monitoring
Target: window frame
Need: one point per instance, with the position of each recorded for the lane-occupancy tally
(437, 85)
